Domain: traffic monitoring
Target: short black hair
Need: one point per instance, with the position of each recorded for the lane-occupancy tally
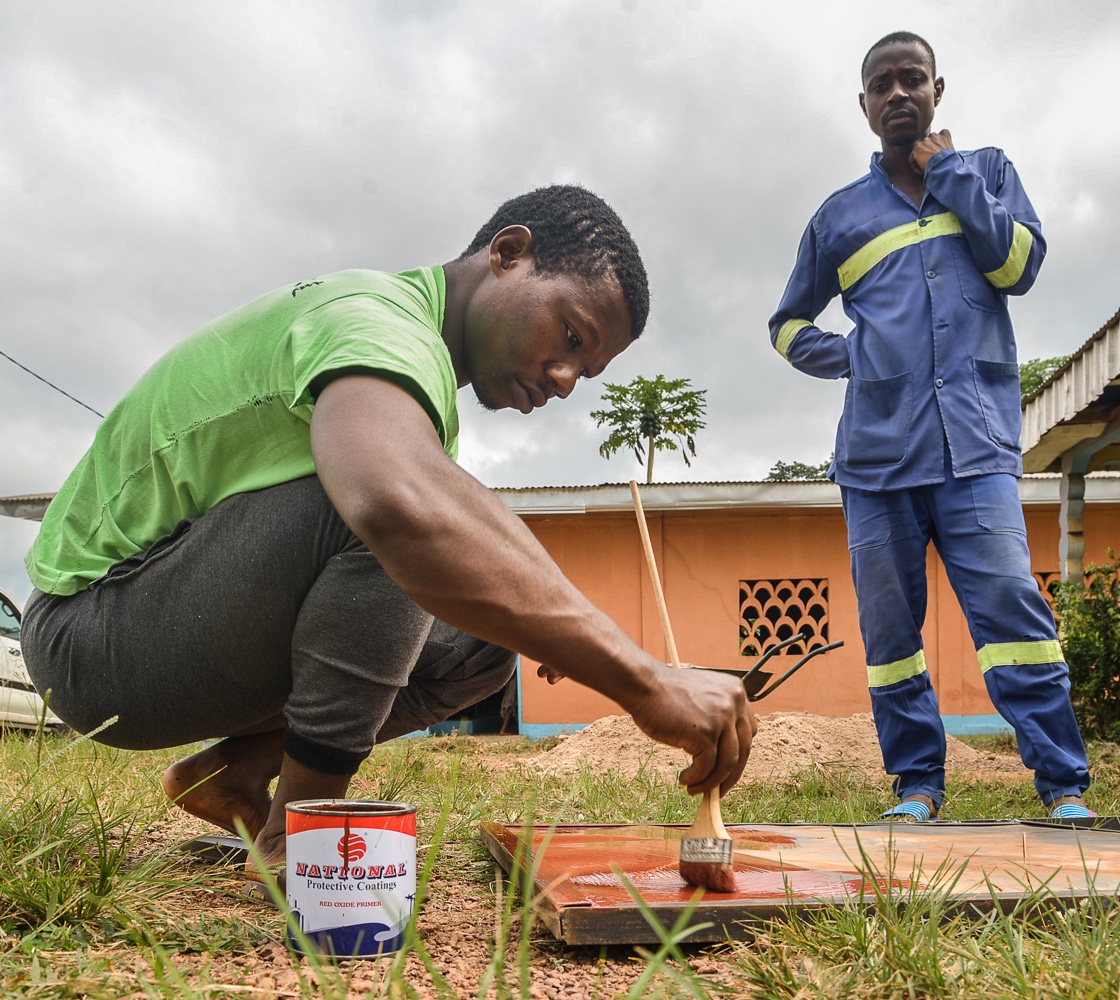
(575, 232)
(906, 38)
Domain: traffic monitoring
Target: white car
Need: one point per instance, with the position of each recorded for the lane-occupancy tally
(20, 704)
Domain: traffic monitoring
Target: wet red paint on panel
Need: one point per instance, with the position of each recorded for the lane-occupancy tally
(588, 865)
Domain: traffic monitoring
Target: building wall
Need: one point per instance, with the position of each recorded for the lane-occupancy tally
(703, 556)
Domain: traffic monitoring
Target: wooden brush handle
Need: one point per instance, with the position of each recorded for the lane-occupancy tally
(709, 822)
(654, 576)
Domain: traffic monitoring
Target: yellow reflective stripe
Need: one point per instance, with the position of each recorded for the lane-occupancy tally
(870, 254)
(1015, 264)
(790, 329)
(900, 670)
(1006, 654)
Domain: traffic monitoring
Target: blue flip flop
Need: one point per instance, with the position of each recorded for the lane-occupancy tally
(1071, 810)
(910, 811)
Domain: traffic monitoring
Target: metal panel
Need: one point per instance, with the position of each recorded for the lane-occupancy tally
(580, 873)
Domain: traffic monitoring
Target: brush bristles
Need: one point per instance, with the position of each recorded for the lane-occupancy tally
(716, 877)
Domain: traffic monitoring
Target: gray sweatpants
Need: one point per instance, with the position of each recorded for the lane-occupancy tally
(264, 613)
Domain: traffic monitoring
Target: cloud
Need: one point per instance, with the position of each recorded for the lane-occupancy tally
(164, 163)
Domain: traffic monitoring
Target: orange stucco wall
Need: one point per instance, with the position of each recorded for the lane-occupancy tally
(702, 557)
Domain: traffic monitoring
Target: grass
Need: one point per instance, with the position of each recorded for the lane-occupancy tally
(97, 901)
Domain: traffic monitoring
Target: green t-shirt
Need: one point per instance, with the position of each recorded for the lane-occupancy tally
(228, 410)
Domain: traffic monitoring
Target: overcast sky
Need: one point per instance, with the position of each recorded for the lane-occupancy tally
(162, 163)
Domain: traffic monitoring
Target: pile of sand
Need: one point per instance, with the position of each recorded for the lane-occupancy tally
(787, 743)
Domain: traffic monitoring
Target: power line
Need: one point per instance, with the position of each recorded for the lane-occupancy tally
(51, 384)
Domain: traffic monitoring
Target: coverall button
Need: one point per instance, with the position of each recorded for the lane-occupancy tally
(939, 383)
(931, 274)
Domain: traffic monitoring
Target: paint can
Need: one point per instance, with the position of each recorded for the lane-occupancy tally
(351, 874)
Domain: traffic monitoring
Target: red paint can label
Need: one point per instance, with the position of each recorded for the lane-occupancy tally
(351, 874)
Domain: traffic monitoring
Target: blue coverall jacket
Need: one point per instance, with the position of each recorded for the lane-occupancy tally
(932, 355)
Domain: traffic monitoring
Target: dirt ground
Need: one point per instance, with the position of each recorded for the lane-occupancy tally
(456, 926)
(787, 743)
(457, 922)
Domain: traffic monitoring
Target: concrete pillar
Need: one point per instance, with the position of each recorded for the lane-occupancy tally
(1071, 519)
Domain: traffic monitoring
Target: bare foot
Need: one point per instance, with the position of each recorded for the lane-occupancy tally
(272, 847)
(228, 781)
(297, 781)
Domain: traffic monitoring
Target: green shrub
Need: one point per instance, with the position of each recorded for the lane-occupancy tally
(1089, 614)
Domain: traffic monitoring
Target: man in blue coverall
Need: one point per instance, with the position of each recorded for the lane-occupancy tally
(924, 250)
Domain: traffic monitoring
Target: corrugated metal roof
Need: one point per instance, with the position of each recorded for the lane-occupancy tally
(1058, 372)
(670, 496)
(1100, 487)
(29, 506)
(1076, 403)
(646, 486)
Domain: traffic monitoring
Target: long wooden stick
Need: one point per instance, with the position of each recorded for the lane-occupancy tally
(708, 826)
(658, 593)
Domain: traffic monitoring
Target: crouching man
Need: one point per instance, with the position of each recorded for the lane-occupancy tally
(269, 542)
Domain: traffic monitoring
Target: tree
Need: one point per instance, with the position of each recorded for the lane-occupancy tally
(1036, 371)
(786, 471)
(651, 415)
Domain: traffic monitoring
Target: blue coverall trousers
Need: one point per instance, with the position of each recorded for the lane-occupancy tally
(976, 524)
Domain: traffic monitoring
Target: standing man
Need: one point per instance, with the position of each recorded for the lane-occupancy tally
(924, 251)
(269, 542)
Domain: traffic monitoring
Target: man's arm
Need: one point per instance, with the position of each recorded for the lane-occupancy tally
(793, 331)
(461, 554)
(1000, 224)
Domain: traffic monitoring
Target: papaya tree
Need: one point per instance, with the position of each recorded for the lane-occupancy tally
(651, 415)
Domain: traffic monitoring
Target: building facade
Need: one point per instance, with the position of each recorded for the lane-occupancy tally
(745, 565)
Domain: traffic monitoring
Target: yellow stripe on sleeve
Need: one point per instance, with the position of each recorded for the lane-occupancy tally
(900, 670)
(790, 329)
(1007, 654)
(1016, 263)
(878, 249)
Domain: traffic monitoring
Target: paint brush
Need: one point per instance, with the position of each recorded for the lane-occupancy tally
(706, 847)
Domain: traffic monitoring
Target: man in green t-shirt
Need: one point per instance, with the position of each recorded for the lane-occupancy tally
(269, 542)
